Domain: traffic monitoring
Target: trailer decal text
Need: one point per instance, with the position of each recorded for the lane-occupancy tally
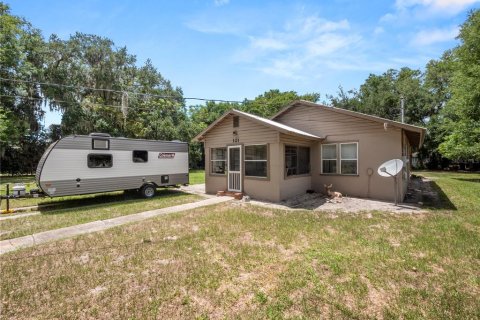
(166, 155)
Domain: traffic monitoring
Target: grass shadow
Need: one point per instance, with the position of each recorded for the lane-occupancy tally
(428, 192)
(104, 199)
(475, 180)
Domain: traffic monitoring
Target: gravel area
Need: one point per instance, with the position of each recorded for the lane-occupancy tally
(319, 202)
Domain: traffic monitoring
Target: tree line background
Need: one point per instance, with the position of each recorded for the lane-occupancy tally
(99, 87)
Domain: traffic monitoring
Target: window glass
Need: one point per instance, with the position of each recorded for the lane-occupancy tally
(349, 166)
(256, 168)
(256, 161)
(303, 160)
(348, 158)
(329, 166)
(100, 144)
(140, 156)
(257, 152)
(348, 150)
(329, 158)
(297, 160)
(236, 121)
(290, 160)
(234, 159)
(329, 151)
(100, 161)
(218, 160)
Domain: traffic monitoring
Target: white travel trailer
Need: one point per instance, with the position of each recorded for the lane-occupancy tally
(100, 163)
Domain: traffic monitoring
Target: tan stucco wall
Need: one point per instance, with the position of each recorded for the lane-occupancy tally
(248, 132)
(293, 185)
(375, 146)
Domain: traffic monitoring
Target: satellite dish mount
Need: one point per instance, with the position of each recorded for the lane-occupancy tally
(391, 168)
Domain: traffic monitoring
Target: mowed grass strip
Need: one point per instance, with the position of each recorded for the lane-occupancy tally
(99, 207)
(196, 177)
(240, 261)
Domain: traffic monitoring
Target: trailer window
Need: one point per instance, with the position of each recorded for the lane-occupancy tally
(140, 156)
(100, 161)
(100, 144)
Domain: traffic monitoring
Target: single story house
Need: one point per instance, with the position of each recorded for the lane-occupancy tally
(303, 147)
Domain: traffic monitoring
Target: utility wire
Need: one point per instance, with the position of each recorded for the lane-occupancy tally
(117, 91)
(72, 102)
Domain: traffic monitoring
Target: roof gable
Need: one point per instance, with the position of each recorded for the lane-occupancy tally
(415, 134)
(262, 121)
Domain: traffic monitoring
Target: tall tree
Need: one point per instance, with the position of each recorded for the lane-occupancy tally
(461, 115)
(270, 102)
(21, 57)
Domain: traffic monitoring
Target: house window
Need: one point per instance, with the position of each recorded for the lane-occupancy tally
(340, 158)
(256, 161)
(100, 144)
(218, 160)
(348, 158)
(329, 158)
(140, 156)
(100, 161)
(236, 121)
(297, 160)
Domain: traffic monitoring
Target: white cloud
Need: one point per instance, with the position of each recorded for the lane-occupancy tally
(220, 3)
(428, 37)
(267, 43)
(303, 43)
(447, 6)
(421, 9)
(378, 30)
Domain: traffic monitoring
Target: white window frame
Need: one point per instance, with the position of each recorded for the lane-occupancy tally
(336, 158)
(339, 155)
(217, 160)
(245, 159)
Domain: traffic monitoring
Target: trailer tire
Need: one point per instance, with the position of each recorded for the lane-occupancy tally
(148, 191)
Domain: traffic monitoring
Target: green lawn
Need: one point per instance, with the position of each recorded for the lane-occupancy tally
(196, 177)
(98, 207)
(240, 261)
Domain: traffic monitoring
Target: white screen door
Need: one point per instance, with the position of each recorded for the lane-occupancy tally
(235, 168)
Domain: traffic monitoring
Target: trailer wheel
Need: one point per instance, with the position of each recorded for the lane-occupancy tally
(148, 191)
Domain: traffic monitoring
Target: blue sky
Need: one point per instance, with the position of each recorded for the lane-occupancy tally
(230, 49)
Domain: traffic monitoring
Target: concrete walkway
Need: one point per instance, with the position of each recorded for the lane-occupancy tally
(67, 232)
(19, 215)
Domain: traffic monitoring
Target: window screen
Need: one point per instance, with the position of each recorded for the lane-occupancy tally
(218, 160)
(329, 158)
(297, 160)
(140, 156)
(100, 161)
(256, 161)
(100, 144)
(348, 158)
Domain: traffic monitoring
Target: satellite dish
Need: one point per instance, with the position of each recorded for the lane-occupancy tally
(390, 168)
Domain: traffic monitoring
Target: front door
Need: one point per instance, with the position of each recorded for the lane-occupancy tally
(235, 168)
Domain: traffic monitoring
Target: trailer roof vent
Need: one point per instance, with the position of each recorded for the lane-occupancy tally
(99, 134)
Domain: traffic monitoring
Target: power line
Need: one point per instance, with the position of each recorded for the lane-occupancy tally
(72, 102)
(117, 91)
